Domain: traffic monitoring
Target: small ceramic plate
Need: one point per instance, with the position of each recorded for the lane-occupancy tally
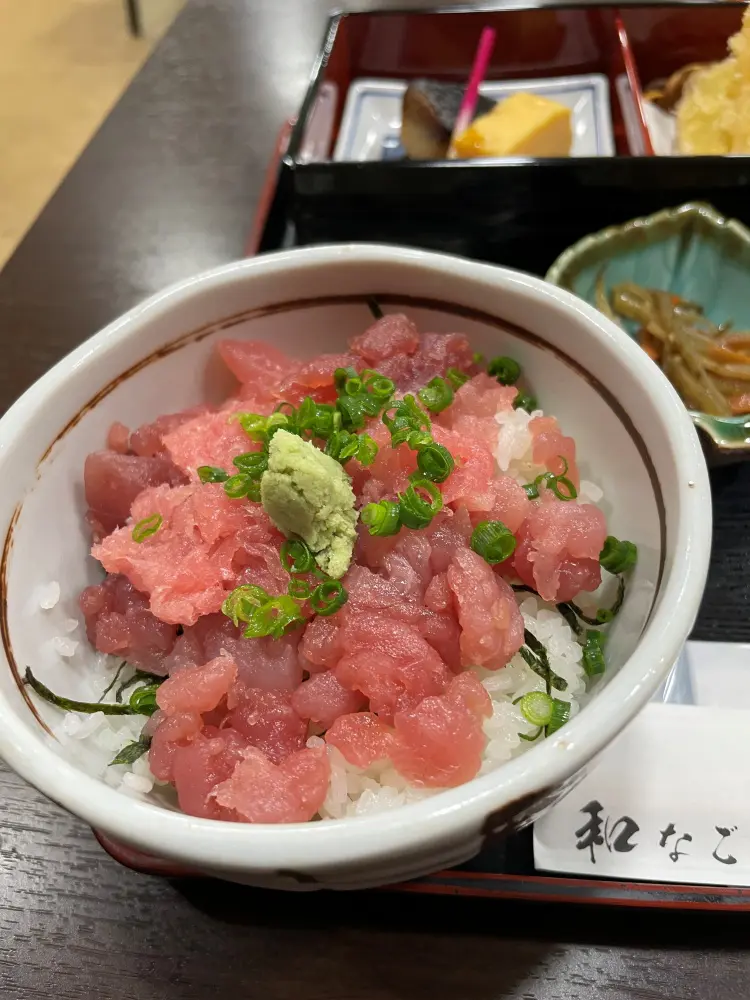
(371, 125)
(691, 251)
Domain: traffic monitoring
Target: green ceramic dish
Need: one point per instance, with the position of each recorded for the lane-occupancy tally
(691, 251)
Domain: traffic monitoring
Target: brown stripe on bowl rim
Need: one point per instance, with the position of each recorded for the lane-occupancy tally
(417, 302)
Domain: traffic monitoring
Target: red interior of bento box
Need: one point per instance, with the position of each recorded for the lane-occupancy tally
(542, 42)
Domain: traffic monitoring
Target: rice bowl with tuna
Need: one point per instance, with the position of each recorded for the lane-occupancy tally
(362, 579)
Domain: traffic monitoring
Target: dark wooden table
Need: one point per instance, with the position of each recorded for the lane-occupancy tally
(169, 187)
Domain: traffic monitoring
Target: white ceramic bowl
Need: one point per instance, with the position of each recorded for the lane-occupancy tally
(634, 438)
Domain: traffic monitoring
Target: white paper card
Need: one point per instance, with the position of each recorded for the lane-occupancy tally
(668, 801)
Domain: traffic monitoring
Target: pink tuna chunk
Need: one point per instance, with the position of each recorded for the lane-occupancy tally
(210, 439)
(267, 720)
(270, 664)
(552, 449)
(170, 733)
(389, 336)
(257, 364)
(448, 533)
(315, 378)
(439, 596)
(259, 791)
(558, 549)
(470, 483)
(323, 699)
(492, 626)
(439, 743)
(321, 643)
(112, 482)
(437, 352)
(189, 563)
(199, 689)
(510, 504)
(362, 738)
(389, 662)
(481, 397)
(119, 622)
(148, 439)
(118, 438)
(472, 413)
(202, 765)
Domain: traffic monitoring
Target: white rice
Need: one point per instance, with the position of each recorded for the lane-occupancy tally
(93, 740)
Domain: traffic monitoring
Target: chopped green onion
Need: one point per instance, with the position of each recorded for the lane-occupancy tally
(380, 386)
(353, 386)
(415, 439)
(506, 370)
(262, 428)
(434, 461)
(328, 597)
(253, 463)
(456, 377)
(553, 484)
(137, 677)
(341, 375)
(593, 653)
(525, 401)
(70, 704)
(493, 541)
(253, 424)
(278, 614)
(477, 358)
(414, 510)
(342, 445)
(211, 474)
(243, 602)
(617, 556)
(536, 708)
(403, 417)
(237, 486)
(353, 411)
(300, 590)
(437, 395)
(382, 518)
(570, 491)
(560, 715)
(261, 614)
(367, 450)
(296, 556)
(132, 752)
(147, 527)
(143, 700)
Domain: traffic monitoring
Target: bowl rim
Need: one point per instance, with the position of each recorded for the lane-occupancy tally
(222, 846)
(722, 432)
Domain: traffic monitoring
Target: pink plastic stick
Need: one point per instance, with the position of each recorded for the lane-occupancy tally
(471, 95)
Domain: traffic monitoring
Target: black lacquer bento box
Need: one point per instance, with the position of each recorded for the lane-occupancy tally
(340, 175)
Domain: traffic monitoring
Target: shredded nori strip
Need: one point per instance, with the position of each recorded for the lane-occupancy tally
(535, 656)
(70, 705)
(131, 752)
(112, 683)
(374, 306)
